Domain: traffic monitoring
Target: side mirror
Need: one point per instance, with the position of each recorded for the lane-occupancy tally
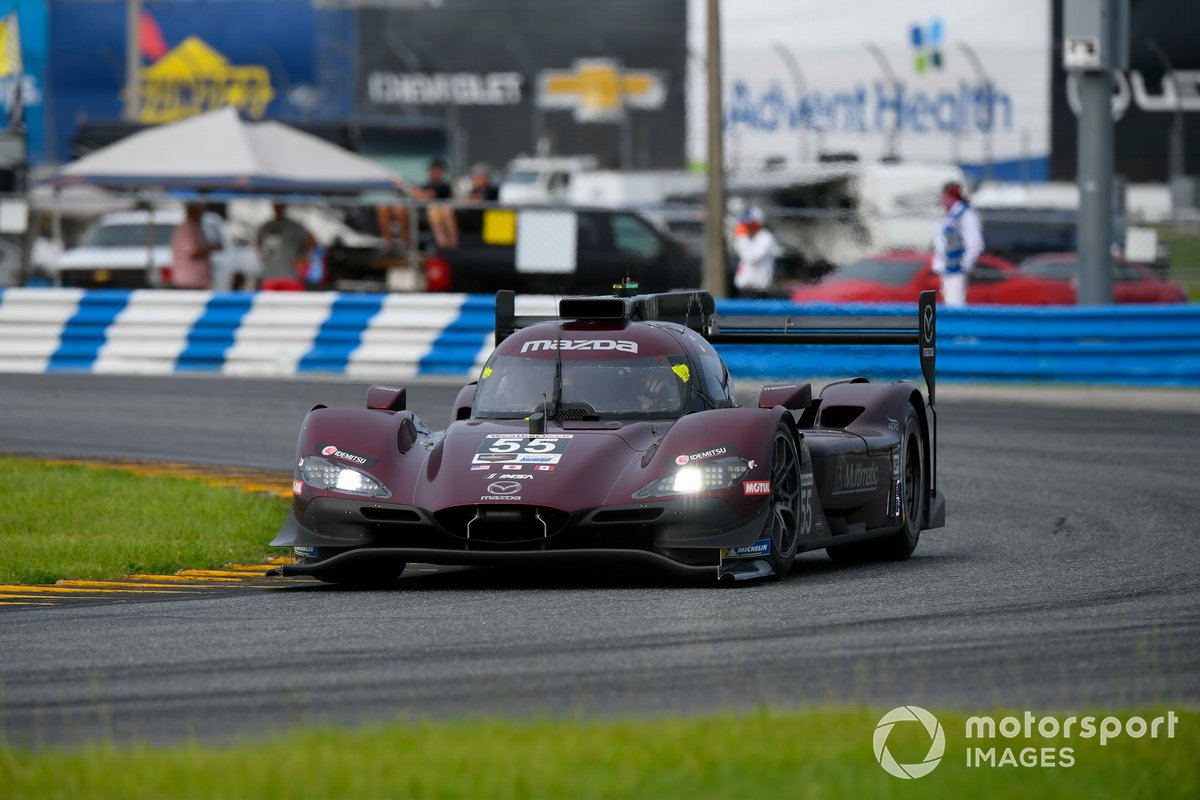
(387, 398)
(464, 401)
(793, 396)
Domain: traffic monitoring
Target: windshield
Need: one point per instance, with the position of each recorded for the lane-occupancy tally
(893, 273)
(127, 235)
(521, 177)
(649, 387)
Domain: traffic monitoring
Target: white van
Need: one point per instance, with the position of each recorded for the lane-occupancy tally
(542, 179)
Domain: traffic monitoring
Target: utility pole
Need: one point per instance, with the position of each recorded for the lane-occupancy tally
(1095, 42)
(133, 59)
(714, 227)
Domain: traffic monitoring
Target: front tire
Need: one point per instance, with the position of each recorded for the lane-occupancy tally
(783, 525)
(914, 489)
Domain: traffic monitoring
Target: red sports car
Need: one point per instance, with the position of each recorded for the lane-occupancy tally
(899, 277)
(1133, 282)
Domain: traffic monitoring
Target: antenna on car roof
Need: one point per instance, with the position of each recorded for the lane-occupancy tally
(627, 287)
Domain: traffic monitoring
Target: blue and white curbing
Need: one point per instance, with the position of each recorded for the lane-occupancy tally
(398, 336)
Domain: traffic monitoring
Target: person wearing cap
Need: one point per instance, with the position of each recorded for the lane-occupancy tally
(756, 249)
(957, 244)
(482, 188)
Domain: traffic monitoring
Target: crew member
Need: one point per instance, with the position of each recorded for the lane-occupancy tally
(957, 244)
(756, 249)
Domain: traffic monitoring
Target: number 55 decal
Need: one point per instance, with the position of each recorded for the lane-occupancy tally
(521, 448)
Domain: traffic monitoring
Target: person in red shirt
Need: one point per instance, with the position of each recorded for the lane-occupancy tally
(190, 250)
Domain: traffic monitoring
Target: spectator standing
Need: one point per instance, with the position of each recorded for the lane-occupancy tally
(191, 267)
(756, 249)
(284, 247)
(957, 244)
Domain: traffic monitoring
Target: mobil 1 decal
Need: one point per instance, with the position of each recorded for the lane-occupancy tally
(522, 448)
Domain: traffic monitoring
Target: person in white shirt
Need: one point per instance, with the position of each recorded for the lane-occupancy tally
(957, 244)
(756, 249)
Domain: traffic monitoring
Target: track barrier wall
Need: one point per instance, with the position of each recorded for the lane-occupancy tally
(396, 336)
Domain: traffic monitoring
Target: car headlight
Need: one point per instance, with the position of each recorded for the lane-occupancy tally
(321, 473)
(702, 476)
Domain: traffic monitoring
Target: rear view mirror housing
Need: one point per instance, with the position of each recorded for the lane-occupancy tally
(387, 398)
(792, 396)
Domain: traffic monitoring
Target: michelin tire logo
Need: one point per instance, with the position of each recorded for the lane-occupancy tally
(937, 746)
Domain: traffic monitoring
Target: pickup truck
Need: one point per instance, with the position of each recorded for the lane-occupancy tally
(530, 250)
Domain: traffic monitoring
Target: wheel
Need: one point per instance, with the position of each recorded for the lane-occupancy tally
(913, 491)
(783, 525)
(364, 576)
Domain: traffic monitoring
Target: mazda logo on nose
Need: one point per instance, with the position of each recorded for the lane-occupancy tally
(504, 487)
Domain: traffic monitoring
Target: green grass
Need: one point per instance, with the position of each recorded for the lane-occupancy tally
(1184, 246)
(67, 521)
(762, 754)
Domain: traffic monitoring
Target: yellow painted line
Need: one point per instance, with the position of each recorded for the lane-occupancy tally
(23, 603)
(195, 579)
(217, 573)
(169, 588)
(281, 560)
(247, 567)
(67, 589)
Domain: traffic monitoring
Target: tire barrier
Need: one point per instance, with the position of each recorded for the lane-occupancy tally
(396, 336)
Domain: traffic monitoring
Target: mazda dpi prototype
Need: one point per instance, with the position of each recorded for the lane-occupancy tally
(610, 434)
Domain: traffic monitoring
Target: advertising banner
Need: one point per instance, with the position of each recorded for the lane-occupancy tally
(255, 55)
(595, 78)
(23, 71)
(923, 80)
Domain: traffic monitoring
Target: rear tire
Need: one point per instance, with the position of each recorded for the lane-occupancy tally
(914, 489)
(783, 524)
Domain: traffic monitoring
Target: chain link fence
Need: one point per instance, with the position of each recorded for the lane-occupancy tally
(389, 243)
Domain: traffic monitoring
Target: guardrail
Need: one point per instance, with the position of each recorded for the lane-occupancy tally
(391, 337)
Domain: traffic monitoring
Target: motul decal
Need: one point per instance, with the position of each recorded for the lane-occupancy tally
(297, 487)
(756, 487)
(620, 345)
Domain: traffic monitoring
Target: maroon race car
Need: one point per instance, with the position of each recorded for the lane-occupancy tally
(610, 435)
(900, 276)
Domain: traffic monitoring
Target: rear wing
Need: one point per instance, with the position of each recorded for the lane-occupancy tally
(697, 311)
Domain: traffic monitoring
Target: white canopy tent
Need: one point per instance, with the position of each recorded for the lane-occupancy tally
(219, 151)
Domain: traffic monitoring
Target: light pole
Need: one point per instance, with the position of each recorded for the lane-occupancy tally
(885, 66)
(986, 84)
(1175, 160)
(714, 227)
(133, 59)
(793, 68)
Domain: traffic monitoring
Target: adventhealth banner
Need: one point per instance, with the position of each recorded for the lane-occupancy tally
(927, 80)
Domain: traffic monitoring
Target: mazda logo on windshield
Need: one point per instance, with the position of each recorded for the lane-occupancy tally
(504, 487)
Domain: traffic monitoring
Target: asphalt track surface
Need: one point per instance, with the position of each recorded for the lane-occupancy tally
(1066, 578)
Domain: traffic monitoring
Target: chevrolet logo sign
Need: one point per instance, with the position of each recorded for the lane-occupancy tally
(598, 90)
